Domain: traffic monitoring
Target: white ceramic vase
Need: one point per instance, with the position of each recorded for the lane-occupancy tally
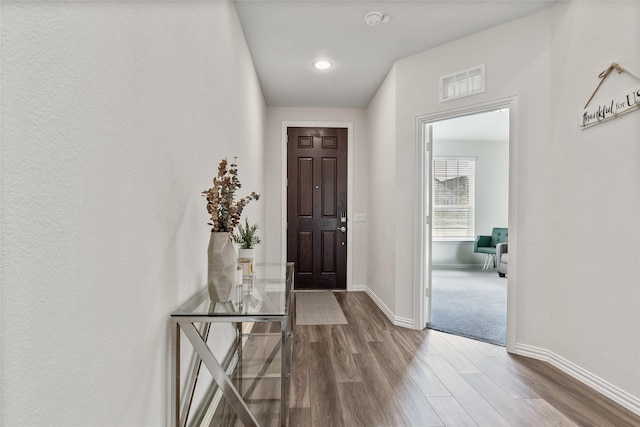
(223, 263)
(246, 253)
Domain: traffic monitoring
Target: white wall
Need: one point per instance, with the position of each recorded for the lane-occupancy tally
(593, 297)
(491, 197)
(114, 117)
(274, 188)
(577, 304)
(511, 70)
(382, 206)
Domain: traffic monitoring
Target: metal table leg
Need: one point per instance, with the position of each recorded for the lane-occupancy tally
(175, 373)
(219, 375)
(284, 374)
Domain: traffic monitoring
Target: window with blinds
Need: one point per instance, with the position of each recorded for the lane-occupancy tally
(453, 198)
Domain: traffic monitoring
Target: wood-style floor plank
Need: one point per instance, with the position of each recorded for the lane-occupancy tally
(426, 380)
(421, 342)
(575, 400)
(550, 416)
(500, 372)
(299, 394)
(454, 356)
(516, 411)
(299, 416)
(451, 412)
(338, 350)
(356, 411)
(372, 373)
(475, 405)
(326, 409)
(386, 409)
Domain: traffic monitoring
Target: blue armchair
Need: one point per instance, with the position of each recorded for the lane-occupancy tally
(487, 245)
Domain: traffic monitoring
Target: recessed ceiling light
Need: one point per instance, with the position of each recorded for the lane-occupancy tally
(322, 64)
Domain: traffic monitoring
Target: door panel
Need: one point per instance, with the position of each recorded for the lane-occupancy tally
(328, 251)
(316, 201)
(305, 249)
(329, 202)
(305, 188)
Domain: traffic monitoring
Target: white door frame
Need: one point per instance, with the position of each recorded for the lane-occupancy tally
(309, 124)
(423, 268)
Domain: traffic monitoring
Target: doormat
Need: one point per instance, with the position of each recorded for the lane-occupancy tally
(318, 308)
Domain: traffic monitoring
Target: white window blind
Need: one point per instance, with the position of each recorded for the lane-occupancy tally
(453, 198)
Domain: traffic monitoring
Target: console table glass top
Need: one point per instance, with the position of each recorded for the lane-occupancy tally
(238, 375)
(262, 297)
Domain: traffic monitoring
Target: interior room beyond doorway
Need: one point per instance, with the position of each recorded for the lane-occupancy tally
(470, 189)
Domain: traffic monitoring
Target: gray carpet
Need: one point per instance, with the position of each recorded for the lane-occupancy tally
(471, 303)
(318, 308)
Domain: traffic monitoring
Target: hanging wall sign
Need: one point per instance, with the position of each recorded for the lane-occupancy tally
(610, 108)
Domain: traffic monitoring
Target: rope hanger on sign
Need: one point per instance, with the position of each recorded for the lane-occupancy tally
(603, 75)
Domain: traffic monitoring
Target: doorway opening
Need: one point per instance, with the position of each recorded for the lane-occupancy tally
(470, 198)
(468, 176)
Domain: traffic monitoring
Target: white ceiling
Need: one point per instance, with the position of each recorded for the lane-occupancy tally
(285, 37)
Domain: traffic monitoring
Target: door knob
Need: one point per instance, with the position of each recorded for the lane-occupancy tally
(343, 229)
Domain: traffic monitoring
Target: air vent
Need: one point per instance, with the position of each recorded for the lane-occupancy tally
(462, 83)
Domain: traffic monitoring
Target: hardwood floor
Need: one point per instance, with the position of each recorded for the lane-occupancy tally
(371, 373)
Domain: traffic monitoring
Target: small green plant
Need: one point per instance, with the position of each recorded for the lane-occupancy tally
(246, 236)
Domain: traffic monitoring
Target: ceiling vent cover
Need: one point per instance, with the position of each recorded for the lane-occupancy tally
(462, 83)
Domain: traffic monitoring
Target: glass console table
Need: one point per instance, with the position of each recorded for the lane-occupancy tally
(248, 384)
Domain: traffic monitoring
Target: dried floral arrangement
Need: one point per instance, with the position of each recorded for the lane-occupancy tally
(224, 210)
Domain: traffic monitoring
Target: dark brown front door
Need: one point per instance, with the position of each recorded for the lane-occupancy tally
(317, 206)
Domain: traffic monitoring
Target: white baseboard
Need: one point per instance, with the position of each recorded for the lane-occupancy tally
(396, 320)
(614, 393)
(458, 266)
(358, 287)
(403, 322)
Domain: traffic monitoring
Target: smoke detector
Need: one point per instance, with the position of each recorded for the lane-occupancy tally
(374, 18)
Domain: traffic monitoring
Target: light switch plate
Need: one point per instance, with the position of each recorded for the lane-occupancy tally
(360, 217)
